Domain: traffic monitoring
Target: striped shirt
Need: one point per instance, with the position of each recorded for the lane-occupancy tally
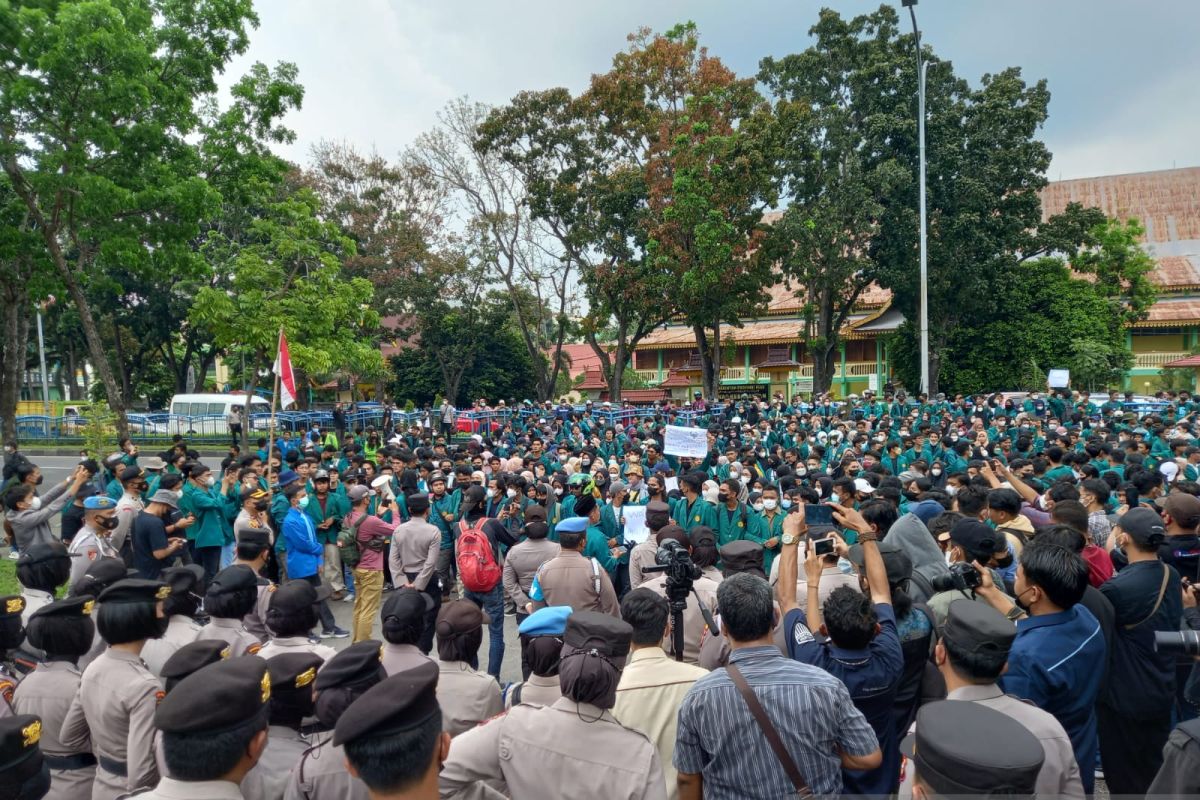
(812, 710)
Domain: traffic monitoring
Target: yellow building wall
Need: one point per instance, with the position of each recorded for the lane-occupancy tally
(1158, 343)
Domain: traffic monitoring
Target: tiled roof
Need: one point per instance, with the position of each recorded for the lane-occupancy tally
(1177, 272)
(1167, 202)
(1170, 311)
(674, 380)
(761, 332)
(1186, 361)
(593, 379)
(583, 358)
(785, 300)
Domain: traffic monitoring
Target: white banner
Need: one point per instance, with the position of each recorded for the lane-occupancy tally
(680, 441)
(1058, 378)
(635, 523)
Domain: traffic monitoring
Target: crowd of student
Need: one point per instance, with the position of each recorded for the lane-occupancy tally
(980, 563)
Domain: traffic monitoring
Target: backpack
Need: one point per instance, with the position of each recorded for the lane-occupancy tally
(347, 542)
(476, 560)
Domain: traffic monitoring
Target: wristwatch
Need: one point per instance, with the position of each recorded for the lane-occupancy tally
(789, 538)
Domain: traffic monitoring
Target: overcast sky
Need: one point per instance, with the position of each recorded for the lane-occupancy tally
(1124, 76)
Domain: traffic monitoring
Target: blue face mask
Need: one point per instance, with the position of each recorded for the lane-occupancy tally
(785, 503)
(302, 503)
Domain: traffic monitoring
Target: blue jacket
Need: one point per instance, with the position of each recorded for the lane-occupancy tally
(304, 551)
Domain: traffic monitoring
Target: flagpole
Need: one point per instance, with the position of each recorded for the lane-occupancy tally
(271, 425)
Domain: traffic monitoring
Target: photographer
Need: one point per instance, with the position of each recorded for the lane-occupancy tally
(852, 637)
(972, 545)
(703, 590)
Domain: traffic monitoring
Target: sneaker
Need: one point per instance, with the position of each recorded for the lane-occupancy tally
(338, 595)
(336, 633)
(314, 639)
(348, 598)
(14, 555)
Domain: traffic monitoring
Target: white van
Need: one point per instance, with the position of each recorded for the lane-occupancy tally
(205, 413)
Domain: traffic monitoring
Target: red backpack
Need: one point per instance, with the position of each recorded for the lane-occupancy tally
(477, 565)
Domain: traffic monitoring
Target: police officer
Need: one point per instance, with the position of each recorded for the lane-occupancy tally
(404, 628)
(23, 771)
(92, 540)
(321, 773)
(575, 744)
(99, 575)
(231, 596)
(291, 616)
(63, 632)
(201, 765)
(383, 729)
(963, 748)
(181, 605)
(413, 559)
(571, 579)
(117, 694)
(253, 550)
(541, 648)
(292, 677)
(192, 658)
(12, 633)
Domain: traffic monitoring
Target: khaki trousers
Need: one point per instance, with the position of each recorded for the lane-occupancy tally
(368, 590)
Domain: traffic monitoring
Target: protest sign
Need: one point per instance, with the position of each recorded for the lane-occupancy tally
(680, 441)
(635, 524)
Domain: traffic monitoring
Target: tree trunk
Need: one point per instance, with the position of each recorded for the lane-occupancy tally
(823, 366)
(710, 360)
(91, 335)
(12, 354)
(73, 392)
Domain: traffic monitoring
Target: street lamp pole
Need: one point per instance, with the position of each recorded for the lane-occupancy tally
(922, 66)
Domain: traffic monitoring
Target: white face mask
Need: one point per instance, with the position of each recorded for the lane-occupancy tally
(757, 506)
(951, 490)
(35, 503)
(210, 480)
(769, 504)
(801, 471)
(833, 498)
(511, 492)
(558, 492)
(935, 472)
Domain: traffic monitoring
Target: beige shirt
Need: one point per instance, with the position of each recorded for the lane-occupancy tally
(296, 644)
(570, 580)
(85, 548)
(539, 690)
(521, 564)
(642, 556)
(115, 703)
(270, 776)
(1059, 776)
(172, 789)
(648, 698)
(567, 750)
(233, 633)
(127, 509)
(467, 696)
(693, 618)
(399, 657)
(181, 630)
(321, 775)
(47, 692)
(415, 546)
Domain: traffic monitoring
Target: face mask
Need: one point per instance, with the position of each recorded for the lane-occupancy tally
(1006, 562)
(786, 503)
(952, 490)
(724, 498)
(587, 462)
(833, 498)
(769, 505)
(558, 491)
(107, 523)
(801, 471)
(35, 503)
(302, 503)
(262, 506)
(935, 472)
(511, 492)
(210, 480)
(39, 480)
(757, 506)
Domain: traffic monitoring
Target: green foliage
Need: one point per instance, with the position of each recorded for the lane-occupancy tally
(1097, 364)
(409, 406)
(100, 433)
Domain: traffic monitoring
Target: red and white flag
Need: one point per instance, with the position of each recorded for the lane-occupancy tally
(283, 368)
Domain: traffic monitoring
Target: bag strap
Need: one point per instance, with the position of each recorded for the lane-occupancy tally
(596, 575)
(1162, 592)
(768, 729)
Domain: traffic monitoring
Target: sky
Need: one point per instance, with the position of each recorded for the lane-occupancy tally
(1124, 76)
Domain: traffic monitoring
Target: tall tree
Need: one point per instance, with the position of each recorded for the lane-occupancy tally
(97, 102)
(704, 137)
(20, 271)
(588, 186)
(493, 203)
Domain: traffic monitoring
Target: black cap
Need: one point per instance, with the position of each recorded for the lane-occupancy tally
(976, 538)
(535, 512)
(292, 676)
(585, 505)
(242, 685)
(399, 703)
(459, 617)
(604, 633)
(184, 579)
(70, 607)
(417, 503)
(1144, 526)
(135, 590)
(191, 657)
(977, 628)
(472, 496)
(254, 536)
(20, 755)
(965, 748)
(234, 578)
(743, 555)
(41, 552)
(102, 573)
(406, 604)
(129, 473)
(359, 663)
(701, 535)
(295, 595)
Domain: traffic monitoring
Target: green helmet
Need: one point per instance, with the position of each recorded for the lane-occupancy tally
(578, 479)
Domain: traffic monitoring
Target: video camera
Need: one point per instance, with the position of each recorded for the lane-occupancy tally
(1185, 642)
(963, 576)
(673, 559)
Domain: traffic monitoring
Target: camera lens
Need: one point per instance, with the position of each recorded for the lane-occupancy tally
(1186, 642)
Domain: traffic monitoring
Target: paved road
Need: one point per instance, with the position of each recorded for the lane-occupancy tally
(58, 468)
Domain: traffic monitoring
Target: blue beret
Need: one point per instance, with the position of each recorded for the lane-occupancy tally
(286, 477)
(99, 502)
(549, 621)
(572, 525)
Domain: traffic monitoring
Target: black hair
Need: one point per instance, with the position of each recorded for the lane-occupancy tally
(296, 623)
(981, 666)
(543, 653)
(647, 612)
(747, 607)
(1063, 536)
(47, 575)
(459, 647)
(569, 540)
(17, 494)
(209, 756)
(393, 763)
(1058, 571)
(1070, 513)
(231, 605)
(1099, 488)
(971, 500)
(62, 637)
(881, 513)
(1005, 500)
(121, 623)
(397, 630)
(248, 551)
(850, 618)
(185, 603)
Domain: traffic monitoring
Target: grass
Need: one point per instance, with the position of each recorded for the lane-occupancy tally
(8, 575)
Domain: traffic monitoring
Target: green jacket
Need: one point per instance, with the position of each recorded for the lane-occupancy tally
(336, 507)
(211, 509)
(701, 512)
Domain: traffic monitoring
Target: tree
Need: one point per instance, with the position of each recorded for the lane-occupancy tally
(97, 104)
(287, 275)
(20, 255)
(707, 174)
(493, 202)
(836, 169)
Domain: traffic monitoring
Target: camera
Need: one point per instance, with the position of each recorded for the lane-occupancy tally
(673, 559)
(963, 577)
(1184, 642)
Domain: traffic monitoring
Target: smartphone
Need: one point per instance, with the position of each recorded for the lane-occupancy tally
(816, 514)
(823, 547)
